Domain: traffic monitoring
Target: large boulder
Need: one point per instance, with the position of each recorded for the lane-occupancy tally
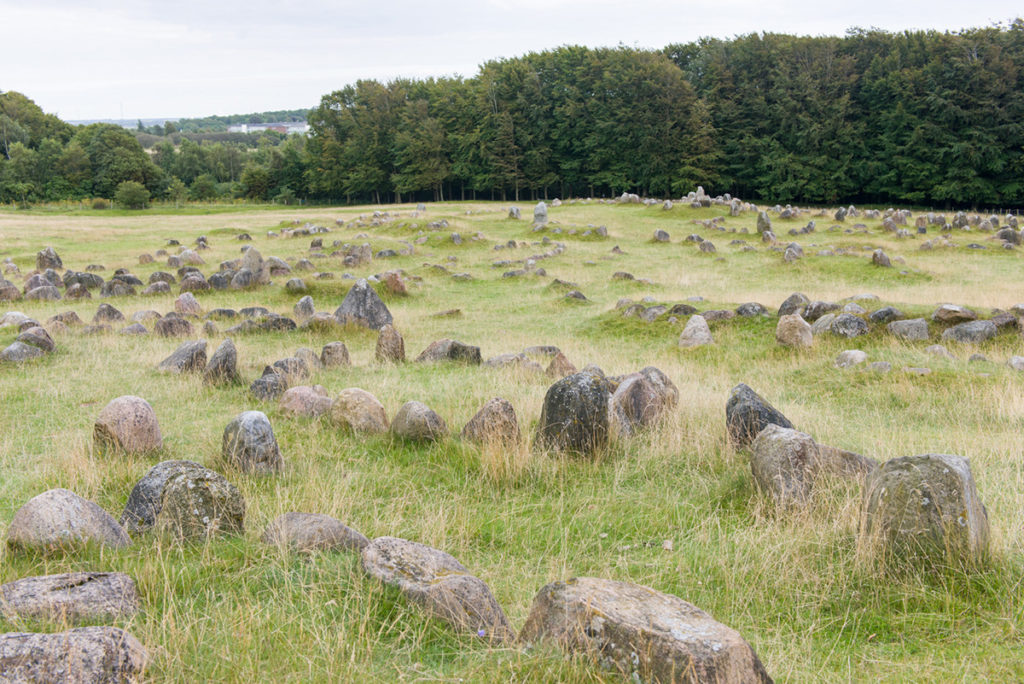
(37, 337)
(188, 357)
(784, 464)
(71, 597)
(418, 422)
(642, 399)
(747, 413)
(696, 333)
(923, 512)
(848, 325)
(796, 303)
(358, 410)
(173, 325)
(97, 655)
(48, 258)
(59, 519)
(249, 444)
(971, 332)
(576, 414)
(911, 330)
(362, 306)
(390, 345)
(223, 365)
(793, 331)
(494, 424)
(305, 401)
(127, 424)
(18, 352)
(313, 532)
(334, 355)
(644, 634)
(184, 499)
(440, 584)
(450, 350)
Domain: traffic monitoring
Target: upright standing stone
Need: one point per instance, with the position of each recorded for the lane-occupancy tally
(747, 413)
(540, 214)
(390, 345)
(249, 444)
(362, 306)
(576, 414)
(223, 365)
(128, 424)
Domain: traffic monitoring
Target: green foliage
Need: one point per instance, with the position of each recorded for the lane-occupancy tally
(132, 195)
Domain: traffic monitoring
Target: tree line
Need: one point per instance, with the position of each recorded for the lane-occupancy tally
(920, 117)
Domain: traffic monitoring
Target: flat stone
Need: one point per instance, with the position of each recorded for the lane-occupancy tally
(309, 532)
(60, 519)
(72, 597)
(97, 655)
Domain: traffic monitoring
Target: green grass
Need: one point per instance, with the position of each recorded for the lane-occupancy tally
(237, 610)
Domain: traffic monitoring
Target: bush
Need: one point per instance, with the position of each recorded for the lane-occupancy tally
(100, 203)
(132, 195)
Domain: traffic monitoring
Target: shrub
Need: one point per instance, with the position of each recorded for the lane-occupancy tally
(100, 203)
(132, 195)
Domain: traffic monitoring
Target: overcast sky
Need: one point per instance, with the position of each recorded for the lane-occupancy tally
(139, 59)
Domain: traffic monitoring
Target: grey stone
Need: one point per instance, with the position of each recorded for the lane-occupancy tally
(913, 329)
(358, 410)
(641, 400)
(304, 308)
(223, 365)
(886, 314)
(951, 313)
(362, 306)
(18, 351)
(97, 655)
(440, 584)
(334, 355)
(249, 444)
(784, 463)
(305, 401)
(847, 325)
(793, 331)
(695, 333)
(59, 519)
(269, 386)
(576, 414)
(188, 357)
(747, 413)
(71, 597)
(971, 332)
(173, 325)
(416, 421)
(45, 293)
(494, 424)
(450, 350)
(850, 357)
(309, 532)
(795, 303)
(643, 634)
(48, 258)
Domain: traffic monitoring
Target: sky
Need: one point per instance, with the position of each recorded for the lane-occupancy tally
(117, 59)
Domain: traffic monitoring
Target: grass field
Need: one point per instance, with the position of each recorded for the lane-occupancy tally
(237, 610)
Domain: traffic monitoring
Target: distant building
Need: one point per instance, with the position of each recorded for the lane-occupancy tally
(285, 127)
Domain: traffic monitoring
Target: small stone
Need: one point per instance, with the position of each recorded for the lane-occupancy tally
(358, 410)
(912, 330)
(305, 401)
(390, 346)
(850, 357)
(793, 331)
(696, 333)
(494, 424)
(334, 355)
(450, 350)
(416, 421)
(187, 305)
(747, 413)
(189, 357)
(310, 532)
(223, 365)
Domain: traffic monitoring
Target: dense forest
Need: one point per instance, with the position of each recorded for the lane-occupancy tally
(924, 118)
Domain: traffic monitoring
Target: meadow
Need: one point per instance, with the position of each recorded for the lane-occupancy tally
(675, 508)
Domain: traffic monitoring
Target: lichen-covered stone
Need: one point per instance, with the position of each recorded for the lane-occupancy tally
(128, 424)
(362, 306)
(358, 410)
(576, 414)
(249, 444)
(418, 422)
(494, 424)
(72, 597)
(747, 413)
(97, 655)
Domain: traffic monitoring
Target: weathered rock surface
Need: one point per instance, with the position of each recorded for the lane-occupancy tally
(576, 414)
(313, 532)
(358, 410)
(390, 346)
(417, 421)
(97, 655)
(848, 325)
(696, 333)
(644, 634)
(784, 464)
(912, 330)
(127, 424)
(362, 306)
(305, 401)
(189, 357)
(747, 413)
(923, 511)
(793, 331)
(223, 365)
(269, 386)
(440, 584)
(450, 350)
(249, 444)
(173, 325)
(334, 355)
(59, 518)
(18, 352)
(794, 304)
(494, 424)
(559, 367)
(72, 597)
(641, 400)
(971, 332)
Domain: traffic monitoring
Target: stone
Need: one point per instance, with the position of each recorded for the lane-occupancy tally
(764, 224)
(661, 236)
(187, 305)
(116, 288)
(295, 286)
(418, 422)
(292, 368)
(311, 532)
(189, 357)
(72, 597)
(269, 386)
(394, 284)
(157, 288)
(440, 584)
(641, 400)
(37, 337)
(78, 291)
(750, 310)
(911, 330)
(784, 463)
(390, 345)
(43, 293)
(358, 410)
(362, 306)
(817, 309)
(880, 258)
(540, 214)
(173, 325)
(643, 634)
(128, 425)
(747, 413)
(450, 350)
(304, 308)
(559, 367)
(334, 355)
(696, 333)
(494, 424)
(848, 325)
(60, 519)
(310, 358)
(575, 416)
(886, 314)
(185, 500)
(794, 304)
(950, 314)
(97, 655)
(243, 279)
(305, 401)
(517, 361)
(107, 314)
(18, 352)
(850, 357)
(48, 258)
(970, 332)
(222, 368)
(1016, 363)
(249, 444)
(924, 512)
(793, 331)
